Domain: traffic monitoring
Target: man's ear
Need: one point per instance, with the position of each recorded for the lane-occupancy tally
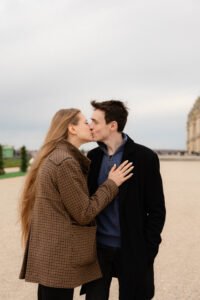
(114, 126)
(71, 129)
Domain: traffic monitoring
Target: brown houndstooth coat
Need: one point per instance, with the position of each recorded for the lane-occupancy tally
(61, 250)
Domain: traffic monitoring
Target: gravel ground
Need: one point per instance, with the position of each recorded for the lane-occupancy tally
(177, 269)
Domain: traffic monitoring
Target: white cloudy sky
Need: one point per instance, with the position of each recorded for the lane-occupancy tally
(64, 53)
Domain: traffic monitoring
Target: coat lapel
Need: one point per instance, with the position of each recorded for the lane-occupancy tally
(127, 155)
(96, 160)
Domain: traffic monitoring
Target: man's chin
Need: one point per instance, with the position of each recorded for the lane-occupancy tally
(95, 138)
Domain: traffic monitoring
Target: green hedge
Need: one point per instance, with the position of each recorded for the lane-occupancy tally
(12, 162)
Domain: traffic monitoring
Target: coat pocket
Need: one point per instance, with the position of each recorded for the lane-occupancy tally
(83, 245)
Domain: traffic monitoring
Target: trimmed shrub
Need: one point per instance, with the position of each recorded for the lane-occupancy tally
(24, 159)
(1, 161)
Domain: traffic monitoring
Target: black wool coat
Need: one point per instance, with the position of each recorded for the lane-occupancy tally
(142, 216)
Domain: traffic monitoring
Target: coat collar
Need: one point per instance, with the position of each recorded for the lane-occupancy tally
(97, 156)
(105, 149)
(129, 147)
(76, 153)
(128, 153)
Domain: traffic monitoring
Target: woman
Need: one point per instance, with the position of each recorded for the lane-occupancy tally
(57, 213)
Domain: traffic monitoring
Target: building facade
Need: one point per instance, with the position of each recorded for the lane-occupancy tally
(8, 151)
(193, 128)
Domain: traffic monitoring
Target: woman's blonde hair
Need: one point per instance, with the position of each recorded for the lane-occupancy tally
(57, 132)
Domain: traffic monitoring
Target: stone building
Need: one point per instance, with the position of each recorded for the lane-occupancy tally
(8, 151)
(193, 128)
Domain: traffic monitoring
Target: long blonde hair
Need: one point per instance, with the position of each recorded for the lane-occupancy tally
(58, 131)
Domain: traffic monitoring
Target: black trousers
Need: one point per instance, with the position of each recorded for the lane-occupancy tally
(110, 263)
(49, 293)
(109, 260)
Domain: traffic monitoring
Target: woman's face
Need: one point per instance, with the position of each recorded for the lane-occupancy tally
(83, 131)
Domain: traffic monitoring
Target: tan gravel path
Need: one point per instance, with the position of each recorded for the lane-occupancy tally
(177, 268)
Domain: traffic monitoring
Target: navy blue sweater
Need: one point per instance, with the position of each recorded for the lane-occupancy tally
(108, 223)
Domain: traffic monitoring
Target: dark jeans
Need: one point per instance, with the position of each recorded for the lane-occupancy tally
(49, 293)
(109, 260)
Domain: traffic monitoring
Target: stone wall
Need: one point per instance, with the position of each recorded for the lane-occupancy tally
(193, 128)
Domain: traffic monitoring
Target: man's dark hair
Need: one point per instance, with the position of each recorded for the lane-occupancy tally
(114, 110)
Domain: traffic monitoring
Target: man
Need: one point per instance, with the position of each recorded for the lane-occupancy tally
(128, 230)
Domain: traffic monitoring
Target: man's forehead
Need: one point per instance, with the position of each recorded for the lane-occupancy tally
(98, 115)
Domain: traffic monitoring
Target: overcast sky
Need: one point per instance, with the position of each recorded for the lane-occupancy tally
(61, 54)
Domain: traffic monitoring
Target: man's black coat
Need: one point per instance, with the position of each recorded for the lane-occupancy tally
(142, 216)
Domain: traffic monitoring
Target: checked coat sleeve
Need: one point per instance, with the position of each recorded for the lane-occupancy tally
(72, 185)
